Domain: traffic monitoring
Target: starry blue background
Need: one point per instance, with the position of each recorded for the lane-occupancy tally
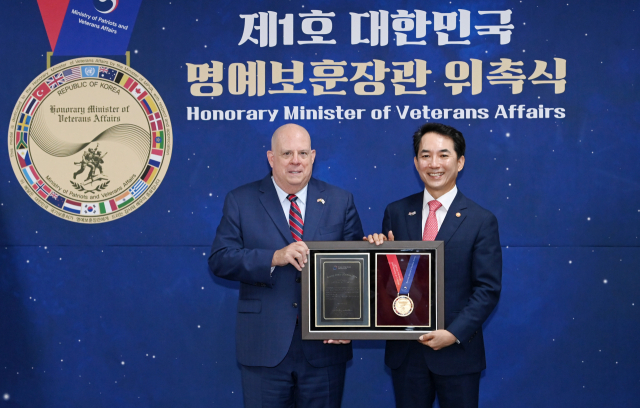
(125, 313)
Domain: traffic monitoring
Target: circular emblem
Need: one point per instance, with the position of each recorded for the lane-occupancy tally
(403, 305)
(105, 6)
(90, 140)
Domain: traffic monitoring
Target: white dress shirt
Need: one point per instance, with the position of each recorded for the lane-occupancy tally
(446, 200)
(286, 204)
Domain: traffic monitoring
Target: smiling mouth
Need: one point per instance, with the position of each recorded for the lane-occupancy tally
(435, 174)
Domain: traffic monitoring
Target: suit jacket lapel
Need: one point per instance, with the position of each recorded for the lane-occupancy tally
(271, 203)
(314, 210)
(413, 217)
(451, 221)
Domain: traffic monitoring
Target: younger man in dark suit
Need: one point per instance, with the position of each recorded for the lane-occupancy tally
(448, 362)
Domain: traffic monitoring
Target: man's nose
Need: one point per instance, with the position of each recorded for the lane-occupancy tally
(296, 158)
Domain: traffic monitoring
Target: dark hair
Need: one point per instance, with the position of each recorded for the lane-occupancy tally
(447, 131)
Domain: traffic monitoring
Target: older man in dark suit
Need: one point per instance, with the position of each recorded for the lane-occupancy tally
(260, 242)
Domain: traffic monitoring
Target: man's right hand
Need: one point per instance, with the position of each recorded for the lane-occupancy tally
(294, 254)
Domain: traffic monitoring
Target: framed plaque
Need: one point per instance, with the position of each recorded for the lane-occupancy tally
(357, 290)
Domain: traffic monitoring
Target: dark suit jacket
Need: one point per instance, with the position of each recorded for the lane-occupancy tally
(252, 228)
(472, 278)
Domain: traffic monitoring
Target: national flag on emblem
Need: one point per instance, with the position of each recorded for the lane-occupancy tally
(158, 140)
(152, 105)
(157, 153)
(30, 174)
(22, 131)
(155, 121)
(23, 158)
(30, 106)
(121, 78)
(138, 188)
(55, 81)
(41, 91)
(21, 140)
(107, 207)
(90, 209)
(138, 91)
(149, 174)
(130, 83)
(124, 199)
(42, 189)
(72, 74)
(146, 104)
(90, 71)
(108, 73)
(23, 123)
(72, 206)
(155, 158)
(55, 199)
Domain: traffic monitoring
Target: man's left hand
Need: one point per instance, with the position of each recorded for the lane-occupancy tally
(336, 341)
(438, 339)
(378, 239)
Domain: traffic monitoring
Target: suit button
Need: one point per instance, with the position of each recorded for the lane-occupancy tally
(295, 304)
(298, 280)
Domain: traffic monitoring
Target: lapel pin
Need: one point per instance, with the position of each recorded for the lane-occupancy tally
(412, 213)
(321, 200)
(458, 215)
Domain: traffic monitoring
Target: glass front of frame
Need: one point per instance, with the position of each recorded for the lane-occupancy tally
(421, 292)
(349, 290)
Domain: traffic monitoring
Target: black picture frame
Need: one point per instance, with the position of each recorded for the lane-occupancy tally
(348, 290)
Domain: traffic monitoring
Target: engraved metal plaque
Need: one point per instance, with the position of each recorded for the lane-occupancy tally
(341, 289)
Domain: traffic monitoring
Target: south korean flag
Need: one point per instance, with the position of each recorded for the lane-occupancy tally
(90, 209)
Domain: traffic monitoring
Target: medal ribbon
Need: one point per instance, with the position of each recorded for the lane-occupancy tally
(403, 285)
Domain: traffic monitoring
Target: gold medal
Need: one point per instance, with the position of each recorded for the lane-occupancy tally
(403, 305)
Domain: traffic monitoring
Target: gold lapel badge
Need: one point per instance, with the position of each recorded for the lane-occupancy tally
(321, 200)
(458, 215)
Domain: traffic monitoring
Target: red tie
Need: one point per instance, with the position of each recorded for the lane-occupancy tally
(431, 226)
(296, 225)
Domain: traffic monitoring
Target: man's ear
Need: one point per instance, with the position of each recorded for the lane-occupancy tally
(270, 157)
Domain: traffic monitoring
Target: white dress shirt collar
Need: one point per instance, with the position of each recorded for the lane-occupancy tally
(286, 204)
(446, 199)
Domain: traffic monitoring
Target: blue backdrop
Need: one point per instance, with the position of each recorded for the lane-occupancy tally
(126, 314)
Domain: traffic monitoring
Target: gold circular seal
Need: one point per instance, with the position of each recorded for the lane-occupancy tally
(403, 305)
(90, 140)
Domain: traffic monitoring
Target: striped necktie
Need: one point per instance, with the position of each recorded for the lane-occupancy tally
(296, 224)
